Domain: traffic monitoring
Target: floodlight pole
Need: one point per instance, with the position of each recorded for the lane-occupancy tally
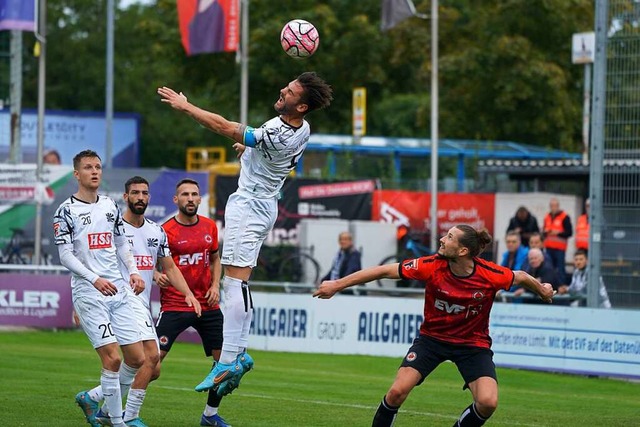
(244, 61)
(434, 125)
(109, 86)
(41, 36)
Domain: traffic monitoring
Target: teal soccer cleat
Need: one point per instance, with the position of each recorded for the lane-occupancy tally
(221, 372)
(227, 386)
(246, 361)
(136, 422)
(89, 407)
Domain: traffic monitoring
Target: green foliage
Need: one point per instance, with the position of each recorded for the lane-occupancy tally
(505, 70)
(293, 389)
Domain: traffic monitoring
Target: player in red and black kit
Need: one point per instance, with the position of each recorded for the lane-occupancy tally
(193, 242)
(459, 293)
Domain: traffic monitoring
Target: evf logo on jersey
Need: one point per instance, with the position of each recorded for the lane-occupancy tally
(191, 259)
(99, 240)
(449, 308)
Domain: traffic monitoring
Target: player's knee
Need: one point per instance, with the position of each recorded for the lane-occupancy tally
(487, 405)
(151, 360)
(155, 373)
(396, 395)
(111, 361)
(135, 360)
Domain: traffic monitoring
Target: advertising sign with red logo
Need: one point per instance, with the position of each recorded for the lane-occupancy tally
(412, 208)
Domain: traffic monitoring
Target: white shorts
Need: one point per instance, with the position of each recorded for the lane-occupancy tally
(143, 319)
(107, 320)
(248, 222)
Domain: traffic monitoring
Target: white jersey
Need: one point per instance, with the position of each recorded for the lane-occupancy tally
(94, 229)
(148, 242)
(278, 147)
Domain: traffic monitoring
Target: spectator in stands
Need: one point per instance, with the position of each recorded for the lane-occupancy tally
(347, 261)
(557, 229)
(536, 241)
(582, 228)
(523, 223)
(541, 271)
(578, 286)
(51, 157)
(515, 257)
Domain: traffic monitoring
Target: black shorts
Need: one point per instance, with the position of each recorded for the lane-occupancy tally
(427, 353)
(209, 326)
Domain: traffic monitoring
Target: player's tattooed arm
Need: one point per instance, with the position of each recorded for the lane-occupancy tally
(238, 135)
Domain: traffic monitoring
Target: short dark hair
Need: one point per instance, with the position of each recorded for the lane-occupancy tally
(317, 93)
(474, 240)
(134, 180)
(581, 252)
(536, 234)
(84, 154)
(187, 181)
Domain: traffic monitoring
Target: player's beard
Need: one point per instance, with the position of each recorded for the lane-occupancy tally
(185, 211)
(137, 208)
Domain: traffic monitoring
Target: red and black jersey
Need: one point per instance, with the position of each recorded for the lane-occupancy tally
(456, 308)
(191, 247)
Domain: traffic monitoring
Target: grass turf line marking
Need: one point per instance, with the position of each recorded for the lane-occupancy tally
(350, 405)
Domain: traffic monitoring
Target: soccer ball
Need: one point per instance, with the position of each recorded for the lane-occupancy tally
(299, 38)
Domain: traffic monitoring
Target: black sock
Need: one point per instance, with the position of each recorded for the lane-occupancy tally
(470, 418)
(213, 400)
(385, 415)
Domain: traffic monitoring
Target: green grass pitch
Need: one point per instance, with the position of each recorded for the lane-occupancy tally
(40, 373)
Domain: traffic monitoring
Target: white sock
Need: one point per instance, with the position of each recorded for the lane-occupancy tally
(96, 394)
(134, 403)
(234, 314)
(110, 383)
(127, 374)
(210, 410)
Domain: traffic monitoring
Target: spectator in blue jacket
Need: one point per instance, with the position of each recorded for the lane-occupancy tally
(515, 257)
(347, 260)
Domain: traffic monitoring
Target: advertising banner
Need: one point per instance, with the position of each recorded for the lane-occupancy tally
(34, 300)
(305, 198)
(412, 208)
(19, 211)
(69, 132)
(574, 340)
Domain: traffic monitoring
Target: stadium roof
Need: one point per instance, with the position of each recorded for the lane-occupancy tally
(446, 147)
(417, 147)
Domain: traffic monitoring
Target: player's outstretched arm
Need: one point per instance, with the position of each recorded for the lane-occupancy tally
(328, 288)
(212, 121)
(177, 281)
(544, 290)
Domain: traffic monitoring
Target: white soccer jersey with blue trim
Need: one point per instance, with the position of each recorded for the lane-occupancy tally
(273, 150)
(92, 228)
(148, 243)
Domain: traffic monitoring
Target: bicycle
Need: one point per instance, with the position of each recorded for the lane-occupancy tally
(19, 250)
(411, 249)
(287, 264)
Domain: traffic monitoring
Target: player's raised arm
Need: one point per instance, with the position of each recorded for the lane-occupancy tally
(329, 287)
(212, 121)
(544, 290)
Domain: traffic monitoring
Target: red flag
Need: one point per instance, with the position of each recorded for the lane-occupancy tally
(208, 26)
